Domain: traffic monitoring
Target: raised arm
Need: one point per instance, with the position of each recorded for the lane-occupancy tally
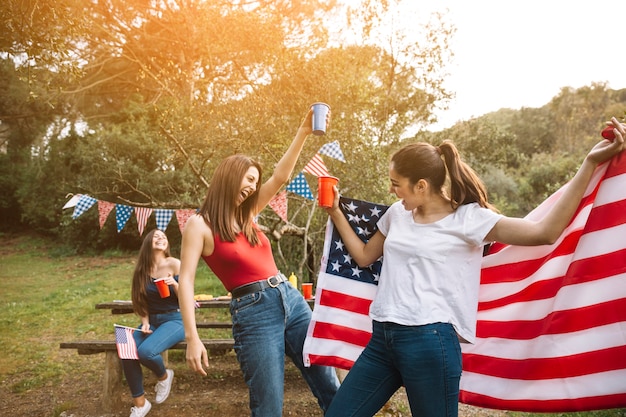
(516, 231)
(284, 167)
(364, 254)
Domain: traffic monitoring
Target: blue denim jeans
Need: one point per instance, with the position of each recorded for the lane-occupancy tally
(425, 359)
(167, 330)
(267, 325)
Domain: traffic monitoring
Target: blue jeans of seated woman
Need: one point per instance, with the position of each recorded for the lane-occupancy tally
(425, 359)
(267, 325)
(167, 330)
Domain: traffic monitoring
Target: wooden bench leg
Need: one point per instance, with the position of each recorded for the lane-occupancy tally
(111, 390)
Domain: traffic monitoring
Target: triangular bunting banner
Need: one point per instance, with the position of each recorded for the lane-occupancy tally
(84, 203)
(163, 217)
(143, 214)
(182, 216)
(333, 150)
(72, 201)
(122, 214)
(301, 187)
(104, 208)
(316, 167)
(279, 205)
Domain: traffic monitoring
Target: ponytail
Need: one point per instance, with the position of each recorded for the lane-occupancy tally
(465, 185)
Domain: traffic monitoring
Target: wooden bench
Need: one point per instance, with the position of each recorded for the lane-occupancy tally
(112, 381)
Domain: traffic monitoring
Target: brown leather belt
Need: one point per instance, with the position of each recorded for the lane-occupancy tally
(271, 282)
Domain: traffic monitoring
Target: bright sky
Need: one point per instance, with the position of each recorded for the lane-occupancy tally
(513, 54)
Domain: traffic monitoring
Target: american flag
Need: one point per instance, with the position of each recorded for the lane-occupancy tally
(142, 213)
(551, 329)
(316, 167)
(125, 343)
(341, 326)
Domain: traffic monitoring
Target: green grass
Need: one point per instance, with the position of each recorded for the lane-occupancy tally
(47, 299)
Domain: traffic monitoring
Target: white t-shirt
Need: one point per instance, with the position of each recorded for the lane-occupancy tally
(431, 272)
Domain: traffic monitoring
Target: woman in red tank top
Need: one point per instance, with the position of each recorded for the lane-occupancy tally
(270, 317)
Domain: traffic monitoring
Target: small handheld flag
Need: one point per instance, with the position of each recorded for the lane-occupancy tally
(126, 347)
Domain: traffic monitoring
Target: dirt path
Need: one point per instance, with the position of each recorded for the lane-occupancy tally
(221, 394)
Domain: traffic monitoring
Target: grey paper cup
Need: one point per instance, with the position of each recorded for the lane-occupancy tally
(320, 110)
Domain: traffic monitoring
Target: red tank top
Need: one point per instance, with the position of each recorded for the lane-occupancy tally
(238, 263)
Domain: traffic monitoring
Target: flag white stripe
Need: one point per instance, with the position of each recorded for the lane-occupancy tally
(603, 383)
(551, 346)
(599, 242)
(612, 190)
(354, 288)
(328, 347)
(345, 318)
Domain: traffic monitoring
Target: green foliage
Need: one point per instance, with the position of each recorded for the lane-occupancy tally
(136, 103)
(544, 174)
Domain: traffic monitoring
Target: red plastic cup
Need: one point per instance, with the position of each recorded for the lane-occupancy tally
(164, 289)
(307, 290)
(325, 193)
(608, 133)
(320, 110)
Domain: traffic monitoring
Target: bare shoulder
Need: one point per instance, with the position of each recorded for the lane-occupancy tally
(196, 223)
(197, 234)
(173, 263)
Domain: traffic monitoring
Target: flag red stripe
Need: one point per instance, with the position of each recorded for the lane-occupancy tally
(331, 331)
(547, 368)
(605, 216)
(617, 166)
(557, 322)
(329, 360)
(546, 406)
(345, 302)
(600, 266)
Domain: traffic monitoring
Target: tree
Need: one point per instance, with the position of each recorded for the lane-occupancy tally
(152, 95)
(576, 115)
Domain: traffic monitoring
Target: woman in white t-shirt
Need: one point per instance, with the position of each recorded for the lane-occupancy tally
(427, 295)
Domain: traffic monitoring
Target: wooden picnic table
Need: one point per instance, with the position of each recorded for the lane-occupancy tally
(112, 377)
(126, 306)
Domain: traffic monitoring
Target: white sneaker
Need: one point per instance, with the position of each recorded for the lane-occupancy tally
(163, 388)
(141, 411)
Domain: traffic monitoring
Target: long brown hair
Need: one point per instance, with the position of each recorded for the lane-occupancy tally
(424, 161)
(141, 275)
(220, 210)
